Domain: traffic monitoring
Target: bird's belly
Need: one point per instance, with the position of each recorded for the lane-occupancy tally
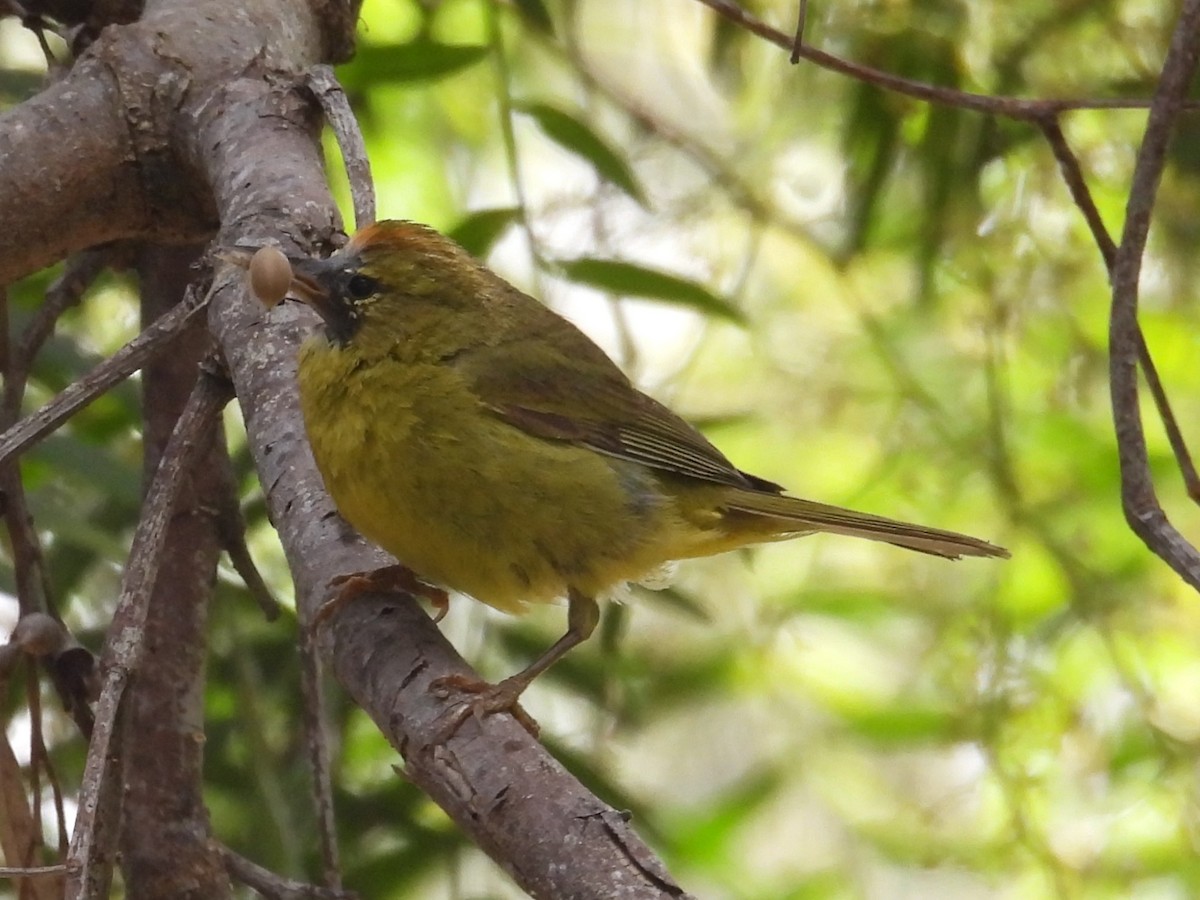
(475, 504)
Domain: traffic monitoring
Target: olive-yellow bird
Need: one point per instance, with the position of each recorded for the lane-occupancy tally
(494, 449)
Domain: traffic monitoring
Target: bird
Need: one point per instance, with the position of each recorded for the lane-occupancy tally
(495, 450)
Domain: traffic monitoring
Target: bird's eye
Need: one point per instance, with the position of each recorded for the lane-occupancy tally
(360, 287)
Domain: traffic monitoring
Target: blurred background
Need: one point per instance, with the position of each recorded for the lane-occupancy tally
(878, 303)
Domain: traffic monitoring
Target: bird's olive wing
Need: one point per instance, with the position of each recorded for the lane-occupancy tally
(565, 388)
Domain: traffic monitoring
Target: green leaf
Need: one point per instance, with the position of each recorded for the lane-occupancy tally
(632, 280)
(480, 230)
(17, 84)
(712, 832)
(573, 135)
(910, 723)
(415, 61)
(535, 13)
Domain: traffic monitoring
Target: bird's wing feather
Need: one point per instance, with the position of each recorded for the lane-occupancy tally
(565, 388)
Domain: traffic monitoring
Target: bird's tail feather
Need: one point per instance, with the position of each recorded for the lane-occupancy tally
(783, 515)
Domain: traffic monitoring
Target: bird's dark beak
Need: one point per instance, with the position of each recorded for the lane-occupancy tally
(310, 282)
(319, 283)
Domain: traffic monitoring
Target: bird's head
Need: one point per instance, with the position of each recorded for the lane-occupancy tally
(393, 273)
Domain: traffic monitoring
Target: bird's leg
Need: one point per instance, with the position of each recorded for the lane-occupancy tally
(388, 578)
(582, 615)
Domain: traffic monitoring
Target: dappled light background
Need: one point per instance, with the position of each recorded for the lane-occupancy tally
(878, 303)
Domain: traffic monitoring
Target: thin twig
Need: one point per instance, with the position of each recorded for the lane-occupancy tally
(94, 839)
(279, 804)
(29, 572)
(5, 338)
(798, 41)
(39, 758)
(28, 563)
(1072, 173)
(231, 530)
(1139, 500)
(39, 755)
(29, 568)
(37, 749)
(37, 25)
(65, 292)
(276, 887)
(508, 137)
(313, 705)
(120, 365)
(1183, 456)
(329, 94)
(1010, 107)
(32, 871)
(233, 541)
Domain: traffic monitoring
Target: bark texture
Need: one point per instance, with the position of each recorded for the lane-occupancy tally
(167, 850)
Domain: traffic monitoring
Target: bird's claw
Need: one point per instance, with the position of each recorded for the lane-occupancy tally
(485, 699)
(388, 578)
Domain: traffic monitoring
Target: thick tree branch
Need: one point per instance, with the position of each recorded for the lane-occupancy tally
(169, 851)
(499, 784)
(66, 176)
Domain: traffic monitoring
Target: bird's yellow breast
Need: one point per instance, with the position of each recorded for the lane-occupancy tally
(414, 462)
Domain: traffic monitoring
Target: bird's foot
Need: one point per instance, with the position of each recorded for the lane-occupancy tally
(484, 700)
(388, 578)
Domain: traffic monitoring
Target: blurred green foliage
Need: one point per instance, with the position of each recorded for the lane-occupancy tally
(876, 302)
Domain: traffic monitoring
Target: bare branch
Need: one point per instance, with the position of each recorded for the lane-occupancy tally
(274, 887)
(31, 871)
(231, 527)
(41, 143)
(1076, 183)
(1009, 107)
(40, 757)
(798, 40)
(94, 840)
(329, 94)
(1183, 456)
(1072, 173)
(116, 368)
(317, 747)
(20, 829)
(33, 587)
(66, 291)
(166, 847)
(1140, 502)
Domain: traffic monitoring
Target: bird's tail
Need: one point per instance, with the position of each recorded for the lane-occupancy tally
(780, 516)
